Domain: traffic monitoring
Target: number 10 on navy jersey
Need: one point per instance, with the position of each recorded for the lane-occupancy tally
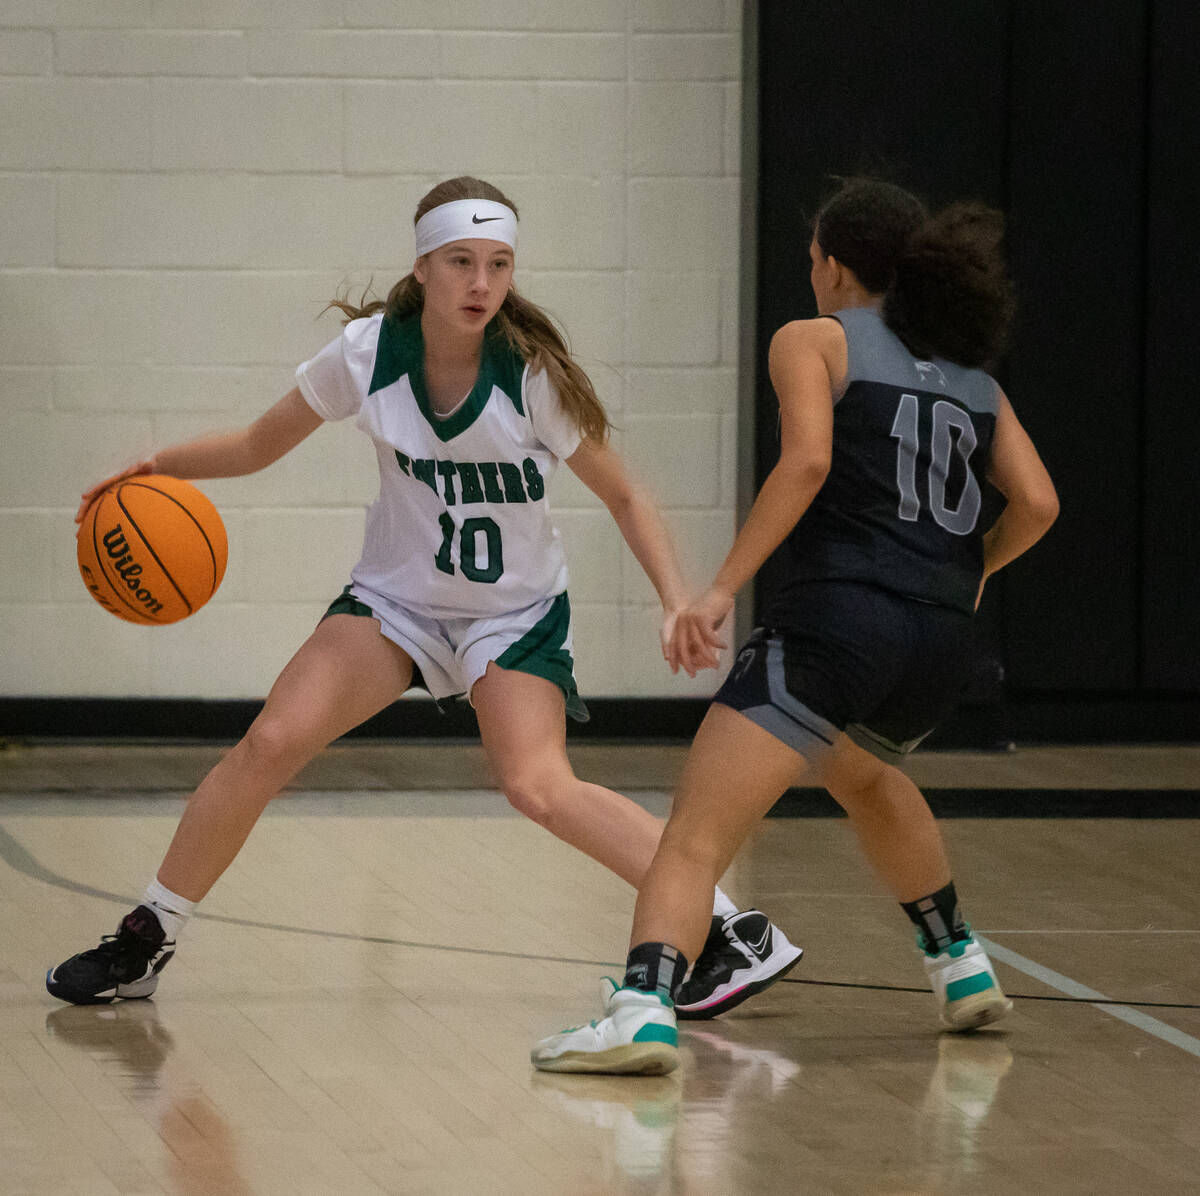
(953, 436)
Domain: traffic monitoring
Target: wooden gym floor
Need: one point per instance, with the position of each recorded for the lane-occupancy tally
(352, 1009)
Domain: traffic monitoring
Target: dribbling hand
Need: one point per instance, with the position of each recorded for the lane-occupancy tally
(90, 496)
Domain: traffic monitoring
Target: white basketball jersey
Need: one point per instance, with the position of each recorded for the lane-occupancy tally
(462, 523)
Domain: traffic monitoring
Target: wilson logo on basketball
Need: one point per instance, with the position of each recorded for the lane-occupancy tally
(151, 549)
(129, 571)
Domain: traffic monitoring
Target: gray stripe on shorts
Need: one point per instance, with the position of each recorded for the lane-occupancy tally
(788, 719)
(878, 745)
(791, 733)
(821, 728)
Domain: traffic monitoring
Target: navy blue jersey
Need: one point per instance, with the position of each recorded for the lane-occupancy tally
(900, 508)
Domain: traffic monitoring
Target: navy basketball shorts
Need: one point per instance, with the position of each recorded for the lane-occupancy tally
(857, 659)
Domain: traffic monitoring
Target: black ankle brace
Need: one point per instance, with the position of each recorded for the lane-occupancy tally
(655, 967)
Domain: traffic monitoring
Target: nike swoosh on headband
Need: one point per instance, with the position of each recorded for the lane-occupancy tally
(464, 218)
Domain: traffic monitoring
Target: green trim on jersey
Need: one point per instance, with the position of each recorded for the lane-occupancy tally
(540, 652)
(401, 351)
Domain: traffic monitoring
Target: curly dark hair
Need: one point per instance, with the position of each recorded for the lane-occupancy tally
(942, 279)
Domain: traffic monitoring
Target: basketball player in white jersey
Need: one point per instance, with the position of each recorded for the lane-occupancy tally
(471, 398)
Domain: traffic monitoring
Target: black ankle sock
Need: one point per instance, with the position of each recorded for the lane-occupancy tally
(938, 918)
(655, 968)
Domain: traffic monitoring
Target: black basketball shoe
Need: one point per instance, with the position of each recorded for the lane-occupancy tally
(742, 955)
(125, 965)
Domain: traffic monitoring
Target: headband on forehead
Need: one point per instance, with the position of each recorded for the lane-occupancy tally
(466, 219)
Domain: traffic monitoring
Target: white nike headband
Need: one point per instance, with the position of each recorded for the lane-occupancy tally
(466, 219)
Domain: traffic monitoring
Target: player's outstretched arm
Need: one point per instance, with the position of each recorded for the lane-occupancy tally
(600, 468)
(800, 363)
(240, 451)
(1017, 472)
(229, 454)
(800, 375)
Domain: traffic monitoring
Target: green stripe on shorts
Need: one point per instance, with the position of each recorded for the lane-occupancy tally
(540, 652)
(346, 604)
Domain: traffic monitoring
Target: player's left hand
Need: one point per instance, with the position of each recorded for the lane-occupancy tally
(694, 641)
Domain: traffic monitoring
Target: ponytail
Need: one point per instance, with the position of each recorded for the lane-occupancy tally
(535, 336)
(950, 294)
(942, 280)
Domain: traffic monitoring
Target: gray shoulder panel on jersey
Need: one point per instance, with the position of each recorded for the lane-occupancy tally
(874, 353)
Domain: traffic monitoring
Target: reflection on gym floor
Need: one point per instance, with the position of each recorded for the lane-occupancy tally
(352, 1011)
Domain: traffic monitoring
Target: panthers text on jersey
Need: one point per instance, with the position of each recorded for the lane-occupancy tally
(462, 524)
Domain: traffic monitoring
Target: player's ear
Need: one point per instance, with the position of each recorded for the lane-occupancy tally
(419, 269)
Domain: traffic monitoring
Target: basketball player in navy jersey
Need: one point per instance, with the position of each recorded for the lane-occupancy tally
(889, 427)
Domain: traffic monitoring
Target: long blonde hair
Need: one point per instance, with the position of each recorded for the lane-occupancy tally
(530, 330)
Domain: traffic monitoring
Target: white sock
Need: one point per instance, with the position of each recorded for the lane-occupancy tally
(722, 906)
(169, 908)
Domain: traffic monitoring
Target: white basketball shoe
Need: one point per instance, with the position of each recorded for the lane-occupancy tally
(636, 1036)
(965, 987)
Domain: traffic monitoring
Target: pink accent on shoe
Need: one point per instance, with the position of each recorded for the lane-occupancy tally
(724, 997)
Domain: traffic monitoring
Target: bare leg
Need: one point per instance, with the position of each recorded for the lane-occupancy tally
(345, 672)
(893, 822)
(902, 841)
(522, 720)
(734, 773)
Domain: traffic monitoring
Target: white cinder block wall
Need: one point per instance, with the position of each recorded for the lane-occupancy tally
(183, 185)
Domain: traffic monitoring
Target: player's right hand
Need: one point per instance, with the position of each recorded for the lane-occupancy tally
(695, 642)
(89, 496)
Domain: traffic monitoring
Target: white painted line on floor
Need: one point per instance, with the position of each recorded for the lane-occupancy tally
(1060, 930)
(1072, 988)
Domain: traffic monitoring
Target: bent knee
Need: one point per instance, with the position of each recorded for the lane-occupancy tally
(539, 796)
(276, 744)
(694, 847)
(863, 784)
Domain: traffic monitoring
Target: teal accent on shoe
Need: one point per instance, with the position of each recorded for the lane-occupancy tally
(655, 1033)
(957, 989)
(955, 949)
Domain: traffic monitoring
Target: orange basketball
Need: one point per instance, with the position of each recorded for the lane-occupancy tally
(152, 549)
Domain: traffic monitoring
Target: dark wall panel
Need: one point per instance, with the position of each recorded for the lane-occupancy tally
(1076, 219)
(915, 91)
(1171, 528)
